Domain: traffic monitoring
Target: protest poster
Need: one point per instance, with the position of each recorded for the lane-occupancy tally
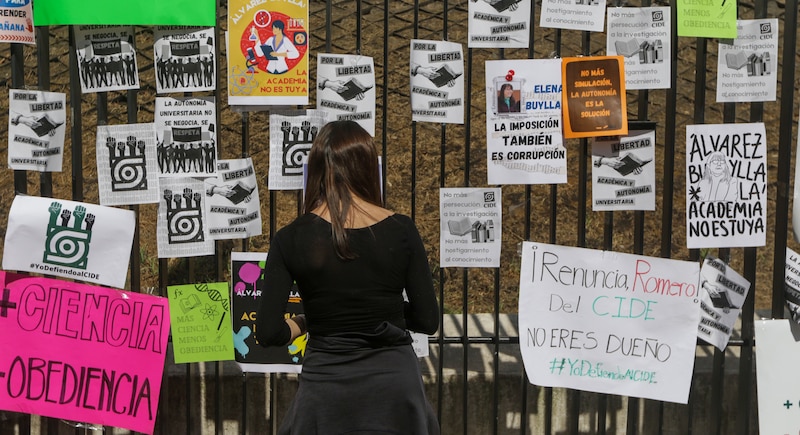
(777, 355)
(291, 134)
(796, 194)
(499, 23)
(247, 275)
(721, 301)
(587, 15)
(747, 66)
(524, 144)
(36, 130)
(471, 227)
(181, 230)
(642, 37)
(594, 96)
(267, 52)
(707, 19)
(186, 136)
(18, 28)
(81, 352)
(623, 172)
(608, 322)
(106, 58)
(148, 12)
(437, 82)
(200, 322)
(77, 240)
(233, 210)
(346, 88)
(791, 287)
(726, 185)
(184, 59)
(127, 172)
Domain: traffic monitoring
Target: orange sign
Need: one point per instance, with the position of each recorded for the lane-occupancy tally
(594, 96)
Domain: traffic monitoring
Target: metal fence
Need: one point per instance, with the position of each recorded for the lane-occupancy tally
(420, 158)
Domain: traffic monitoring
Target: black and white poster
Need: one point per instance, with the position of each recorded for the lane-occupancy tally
(186, 136)
(184, 59)
(291, 134)
(499, 23)
(126, 164)
(623, 172)
(437, 81)
(726, 185)
(722, 295)
(106, 58)
(232, 207)
(181, 229)
(346, 88)
(792, 284)
(36, 130)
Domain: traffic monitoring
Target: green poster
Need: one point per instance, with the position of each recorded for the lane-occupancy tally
(136, 12)
(201, 322)
(707, 18)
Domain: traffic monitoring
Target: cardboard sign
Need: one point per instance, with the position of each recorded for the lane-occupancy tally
(75, 240)
(201, 325)
(81, 352)
(608, 322)
(594, 96)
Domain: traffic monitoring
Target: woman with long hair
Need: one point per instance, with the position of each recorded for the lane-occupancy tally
(352, 260)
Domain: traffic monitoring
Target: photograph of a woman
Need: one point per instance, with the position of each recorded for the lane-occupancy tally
(506, 103)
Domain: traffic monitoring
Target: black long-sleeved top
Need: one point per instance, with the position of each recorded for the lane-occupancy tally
(341, 296)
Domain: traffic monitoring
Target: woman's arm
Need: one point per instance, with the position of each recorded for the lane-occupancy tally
(272, 327)
(422, 310)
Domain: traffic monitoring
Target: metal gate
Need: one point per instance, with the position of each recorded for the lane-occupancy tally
(474, 376)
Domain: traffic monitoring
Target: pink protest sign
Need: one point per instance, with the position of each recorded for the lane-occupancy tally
(80, 352)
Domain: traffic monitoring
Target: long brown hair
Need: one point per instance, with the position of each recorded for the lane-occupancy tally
(342, 162)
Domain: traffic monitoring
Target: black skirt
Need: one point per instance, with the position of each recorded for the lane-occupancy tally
(360, 384)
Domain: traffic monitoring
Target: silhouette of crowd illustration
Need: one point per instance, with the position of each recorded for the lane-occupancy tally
(184, 157)
(186, 71)
(105, 71)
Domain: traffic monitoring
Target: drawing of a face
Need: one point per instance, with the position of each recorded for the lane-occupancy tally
(717, 165)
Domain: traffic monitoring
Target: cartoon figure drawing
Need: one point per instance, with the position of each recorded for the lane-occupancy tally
(276, 49)
(717, 183)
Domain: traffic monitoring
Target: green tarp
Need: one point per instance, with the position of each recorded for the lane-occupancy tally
(126, 12)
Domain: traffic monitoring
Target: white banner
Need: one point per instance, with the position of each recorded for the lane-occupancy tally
(777, 355)
(85, 242)
(608, 322)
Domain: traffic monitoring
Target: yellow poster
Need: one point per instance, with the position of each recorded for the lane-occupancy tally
(268, 52)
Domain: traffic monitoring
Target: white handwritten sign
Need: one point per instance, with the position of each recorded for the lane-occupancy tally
(608, 322)
(726, 185)
(777, 355)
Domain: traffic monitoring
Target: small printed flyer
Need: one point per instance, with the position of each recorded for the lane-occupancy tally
(642, 37)
(200, 322)
(346, 88)
(127, 171)
(524, 144)
(437, 82)
(233, 210)
(181, 230)
(36, 130)
(291, 134)
(747, 68)
(186, 136)
(471, 227)
(184, 59)
(594, 96)
(587, 15)
(726, 185)
(106, 58)
(722, 296)
(792, 285)
(623, 173)
(18, 18)
(499, 23)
